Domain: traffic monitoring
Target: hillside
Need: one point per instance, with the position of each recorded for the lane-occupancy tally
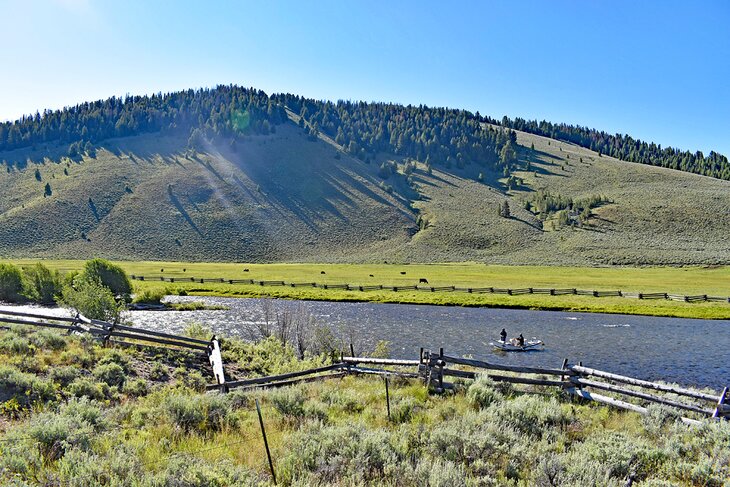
(294, 194)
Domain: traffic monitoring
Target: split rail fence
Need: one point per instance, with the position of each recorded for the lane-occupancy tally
(435, 369)
(469, 290)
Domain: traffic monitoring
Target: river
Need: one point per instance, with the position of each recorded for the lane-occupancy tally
(685, 351)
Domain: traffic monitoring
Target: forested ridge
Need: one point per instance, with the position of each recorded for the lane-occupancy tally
(627, 148)
(432, 135)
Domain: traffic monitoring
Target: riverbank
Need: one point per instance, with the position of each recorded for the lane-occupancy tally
(712, 280)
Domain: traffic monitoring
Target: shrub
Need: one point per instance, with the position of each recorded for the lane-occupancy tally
(11, 284)
(288, 401)
(91, 299)
(72, 427)
(158, 372)
(110, 276)
(112, 374)
(47, 339)
(136, 388)
(64, 375)
(482, 392)
(42, 284)
(403, 410)
(85, 387)
(151, 296)
(201, 413)
(27, 388)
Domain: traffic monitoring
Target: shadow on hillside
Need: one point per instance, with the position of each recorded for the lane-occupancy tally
(178, 205)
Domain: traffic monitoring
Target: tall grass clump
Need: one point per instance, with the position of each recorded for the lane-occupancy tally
(200, 413)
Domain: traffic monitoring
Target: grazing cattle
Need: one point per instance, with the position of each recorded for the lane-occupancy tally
(372, 275)
(162, 270)
(185, 270)
(403, 273)
(323, 272)
(423, 280)
(245, 270)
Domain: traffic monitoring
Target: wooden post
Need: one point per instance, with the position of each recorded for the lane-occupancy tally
(441, 369)
(387, 397)
(352, 350)
(720, 403)
(565, 364)
(266, 443)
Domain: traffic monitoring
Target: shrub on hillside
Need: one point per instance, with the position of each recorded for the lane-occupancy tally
(482, 392)
(109, 275)
(11, 284)
(112, 374)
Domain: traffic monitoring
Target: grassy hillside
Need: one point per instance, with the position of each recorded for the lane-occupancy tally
(285, 197)
(82, 414)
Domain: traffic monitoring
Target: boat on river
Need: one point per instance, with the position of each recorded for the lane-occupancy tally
(513, 345)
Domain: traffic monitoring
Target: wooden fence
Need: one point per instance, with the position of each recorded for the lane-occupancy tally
(576, 380)
(130, 336)
(433, 368)
(432, 289)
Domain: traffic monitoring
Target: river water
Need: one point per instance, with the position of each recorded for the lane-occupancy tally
(684, 351)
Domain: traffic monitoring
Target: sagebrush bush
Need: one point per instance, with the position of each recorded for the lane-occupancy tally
(27, 388)
(86, 387)
(151, 295)
(73, 426)
(49, 339)
(64, 375)
(112, 374)
(482, 392)
(136, 388)
(289, 402)
(202, 413)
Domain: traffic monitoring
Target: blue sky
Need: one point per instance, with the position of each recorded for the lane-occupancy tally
(657, 70)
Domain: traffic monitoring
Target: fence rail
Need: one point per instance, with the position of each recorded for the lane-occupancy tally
(469, 290)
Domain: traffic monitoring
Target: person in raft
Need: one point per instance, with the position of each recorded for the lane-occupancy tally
(521, 340)
(503, 335)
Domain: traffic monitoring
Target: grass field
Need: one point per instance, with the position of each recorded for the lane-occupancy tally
(713, 281)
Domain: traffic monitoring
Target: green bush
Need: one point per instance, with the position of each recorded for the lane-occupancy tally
(136, 388)
(201, 413)
(73, 426)
(48, 339)
(482, 392)
(85, 387)
(158, 372)
(42, 284)
(27, 388)
(112, 374)
(92, 300)
(288, 401)
(110, 276)
(64, 375)
(151, 296)
(11, 284)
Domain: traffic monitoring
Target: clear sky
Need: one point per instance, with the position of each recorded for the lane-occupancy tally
(657, 70)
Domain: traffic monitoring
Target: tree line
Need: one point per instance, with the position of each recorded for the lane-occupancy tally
(432, 135)
(627, 148)
(224, 110)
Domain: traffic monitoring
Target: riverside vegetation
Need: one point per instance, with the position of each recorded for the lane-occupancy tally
(711, 280)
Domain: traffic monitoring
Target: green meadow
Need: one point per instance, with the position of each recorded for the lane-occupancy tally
(710, 280)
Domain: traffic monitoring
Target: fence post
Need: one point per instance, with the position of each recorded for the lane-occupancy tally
(441, 369)
(720, 403)
(352, 350)
(565, 364)
(266, 443)
(387, 396)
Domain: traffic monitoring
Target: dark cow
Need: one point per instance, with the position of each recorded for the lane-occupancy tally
(323, 272)
(372, 275)
(162, 270)
(245, 270)
(423, 280)
(403, 273)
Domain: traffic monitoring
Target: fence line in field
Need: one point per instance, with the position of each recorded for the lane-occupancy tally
(432, 289)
